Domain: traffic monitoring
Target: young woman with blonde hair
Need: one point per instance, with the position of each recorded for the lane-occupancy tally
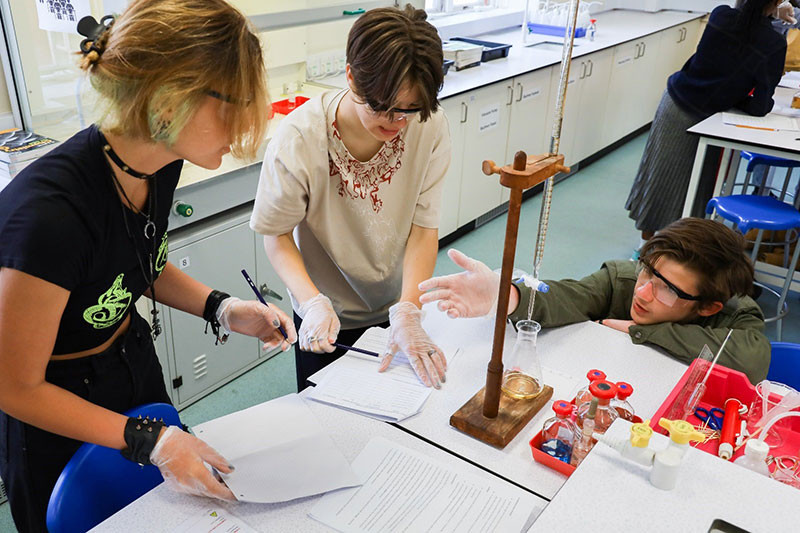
(83, 236)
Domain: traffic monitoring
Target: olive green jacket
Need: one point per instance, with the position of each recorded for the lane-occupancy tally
(608, 293)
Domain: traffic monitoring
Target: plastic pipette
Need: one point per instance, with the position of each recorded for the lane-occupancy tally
(698, 392)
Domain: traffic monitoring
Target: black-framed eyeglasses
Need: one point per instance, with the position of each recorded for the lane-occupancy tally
(651, 271)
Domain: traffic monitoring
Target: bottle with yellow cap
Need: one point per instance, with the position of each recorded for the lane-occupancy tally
(634, 448)
(667, 462)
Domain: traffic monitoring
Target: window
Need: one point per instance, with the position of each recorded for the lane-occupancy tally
(457, 6)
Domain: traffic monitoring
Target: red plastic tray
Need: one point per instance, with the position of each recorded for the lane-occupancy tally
(283, 107)
(724, 383)
(548, 460)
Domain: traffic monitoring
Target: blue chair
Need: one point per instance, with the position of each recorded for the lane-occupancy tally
(762, 213)
(98, 481)
(755, 160)
(785, 364)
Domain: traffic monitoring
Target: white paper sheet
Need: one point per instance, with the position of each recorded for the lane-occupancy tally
(790, 80)
(216, 520)
(769, 122)
(405, 490)
(62, 15)
(278, 451)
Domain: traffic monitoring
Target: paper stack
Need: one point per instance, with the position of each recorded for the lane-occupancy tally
(20, 148)
(354, 383)
(464, 54)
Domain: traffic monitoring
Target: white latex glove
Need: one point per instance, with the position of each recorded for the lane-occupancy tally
(468, 294)
(320, 325)
(406, 335)
(182, 459)
(785, 12)
(257, 320)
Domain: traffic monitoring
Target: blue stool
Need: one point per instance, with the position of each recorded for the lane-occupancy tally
(784, 367)
(762, 213)
(98, 481)
(755, 160)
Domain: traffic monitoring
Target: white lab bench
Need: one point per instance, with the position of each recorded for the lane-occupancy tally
(566, 353)
(610, 493)
(615, 85)
(164, 510)
(713, 132)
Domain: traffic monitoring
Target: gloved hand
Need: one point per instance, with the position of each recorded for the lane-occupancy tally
(320, 325)
(182, 459)
(406, 335)
(785, 12)
(468, 294)
(257, 320)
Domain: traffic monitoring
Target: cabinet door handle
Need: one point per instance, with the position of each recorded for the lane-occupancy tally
(583, 69)
(636, 55)
(591, 68)
(519, 96)
(680, 33)
(464, 110)
(685, 32)
(644, 49)
(266, 292)
(510, 89)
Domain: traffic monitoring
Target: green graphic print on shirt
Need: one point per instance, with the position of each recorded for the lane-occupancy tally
(161, 257)
(111, 306)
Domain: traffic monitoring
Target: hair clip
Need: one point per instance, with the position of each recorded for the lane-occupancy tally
(92, 30)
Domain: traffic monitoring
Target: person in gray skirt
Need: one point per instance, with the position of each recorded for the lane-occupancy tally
(737, 65)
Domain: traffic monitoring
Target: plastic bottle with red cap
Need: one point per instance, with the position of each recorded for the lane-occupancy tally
(620, 403)
(584, 396)
(559, 432)
(604, 391)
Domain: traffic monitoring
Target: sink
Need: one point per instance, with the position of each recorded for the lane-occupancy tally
(721, 526)
(550, 46)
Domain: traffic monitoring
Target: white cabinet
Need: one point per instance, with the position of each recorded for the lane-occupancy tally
(527, 128)
(485, 135)
(456, 111)
(592, 88)
(633, 93)
(678, 44)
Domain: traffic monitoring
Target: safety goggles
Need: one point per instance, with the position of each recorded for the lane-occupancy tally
(664, 290)
(394, 114)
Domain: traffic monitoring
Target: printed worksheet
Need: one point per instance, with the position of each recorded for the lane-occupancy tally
(215, 520)
(405, 490)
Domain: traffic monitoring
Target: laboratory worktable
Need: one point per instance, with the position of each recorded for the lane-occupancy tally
(612, 493)
(161, 509)
(566, 353)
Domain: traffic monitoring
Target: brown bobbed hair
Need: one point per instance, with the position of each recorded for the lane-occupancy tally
(712, 250)
(160, 58)
(388, 47)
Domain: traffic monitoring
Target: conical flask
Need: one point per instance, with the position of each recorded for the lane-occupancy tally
(522, 378)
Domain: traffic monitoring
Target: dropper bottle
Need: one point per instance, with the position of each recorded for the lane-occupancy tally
(585, 443)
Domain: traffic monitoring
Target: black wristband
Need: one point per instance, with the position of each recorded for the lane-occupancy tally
(213, 302)
(141, 435)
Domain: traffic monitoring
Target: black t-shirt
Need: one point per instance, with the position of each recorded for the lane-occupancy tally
(61, 220)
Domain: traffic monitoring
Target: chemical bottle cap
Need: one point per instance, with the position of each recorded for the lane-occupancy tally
(603, 390)
(757, 449)
(640, 434)
(592, 20)
(594, 374)
(624, 390)
(562, 408)
(681, 431)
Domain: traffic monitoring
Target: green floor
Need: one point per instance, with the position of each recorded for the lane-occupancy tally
(588, 225)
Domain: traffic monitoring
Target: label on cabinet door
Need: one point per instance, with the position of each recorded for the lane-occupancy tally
(489, 118)
(624, 60)
(532, 93)
(184, 263)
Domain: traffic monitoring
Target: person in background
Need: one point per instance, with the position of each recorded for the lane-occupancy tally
(349, 194)
(737, 65)
(688, 289)
(83, 234)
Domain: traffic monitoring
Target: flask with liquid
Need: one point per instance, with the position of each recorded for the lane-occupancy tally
(585, 442)
(620, 403)
(559, 433)
(584, 396)
(522, 378)
(604, 391)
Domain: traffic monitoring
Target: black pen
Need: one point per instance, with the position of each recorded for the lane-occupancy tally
(261, 299)
(359, 350)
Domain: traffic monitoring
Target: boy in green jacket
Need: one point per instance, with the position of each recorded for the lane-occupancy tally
(688, 289)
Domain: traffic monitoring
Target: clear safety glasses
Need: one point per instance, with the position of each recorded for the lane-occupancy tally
(664, 290)
(395, 114)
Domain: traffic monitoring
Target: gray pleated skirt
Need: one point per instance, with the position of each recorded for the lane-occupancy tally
(659, 191)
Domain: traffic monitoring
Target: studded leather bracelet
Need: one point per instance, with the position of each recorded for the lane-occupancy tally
(141, 435)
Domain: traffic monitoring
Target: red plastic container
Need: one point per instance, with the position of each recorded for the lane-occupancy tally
(284, 108)
(724, 383)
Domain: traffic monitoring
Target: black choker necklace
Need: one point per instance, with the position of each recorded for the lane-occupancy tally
(119, 162)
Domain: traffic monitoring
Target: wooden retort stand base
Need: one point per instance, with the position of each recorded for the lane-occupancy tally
(491, 416)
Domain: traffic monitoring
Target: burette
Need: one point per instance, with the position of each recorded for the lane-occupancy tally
(555, 142)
